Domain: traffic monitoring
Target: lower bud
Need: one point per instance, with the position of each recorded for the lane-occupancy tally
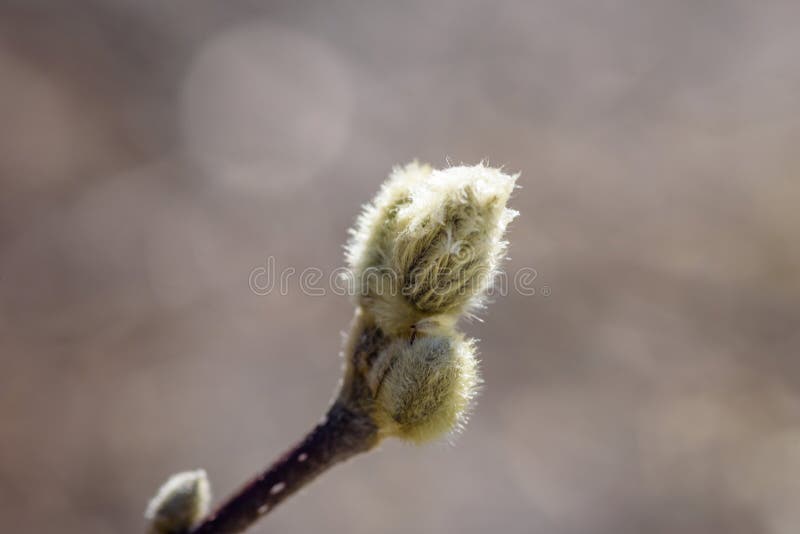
(426, 386)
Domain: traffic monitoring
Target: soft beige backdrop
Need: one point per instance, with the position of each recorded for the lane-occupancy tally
(153, 153)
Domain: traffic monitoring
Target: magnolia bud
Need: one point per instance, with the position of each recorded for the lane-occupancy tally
(180, 503)
(429, 244)
(423, 389)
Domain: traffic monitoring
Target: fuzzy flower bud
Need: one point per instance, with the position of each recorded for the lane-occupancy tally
(423, 389)
(180, 503)
(428, 246)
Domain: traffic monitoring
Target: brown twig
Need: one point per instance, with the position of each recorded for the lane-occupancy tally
(341, 435)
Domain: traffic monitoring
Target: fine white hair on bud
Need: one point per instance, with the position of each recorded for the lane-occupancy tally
(423, 389)
(180, 503)
(430, 243)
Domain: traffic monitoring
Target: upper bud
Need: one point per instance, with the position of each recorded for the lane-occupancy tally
(429, 244)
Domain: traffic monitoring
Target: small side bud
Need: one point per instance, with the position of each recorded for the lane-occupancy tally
(180, 503)
(430, 243)
(423, 389)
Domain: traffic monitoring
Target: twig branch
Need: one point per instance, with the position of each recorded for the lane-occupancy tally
(341, 435)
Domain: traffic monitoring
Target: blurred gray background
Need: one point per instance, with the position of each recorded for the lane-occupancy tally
(153, 153)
